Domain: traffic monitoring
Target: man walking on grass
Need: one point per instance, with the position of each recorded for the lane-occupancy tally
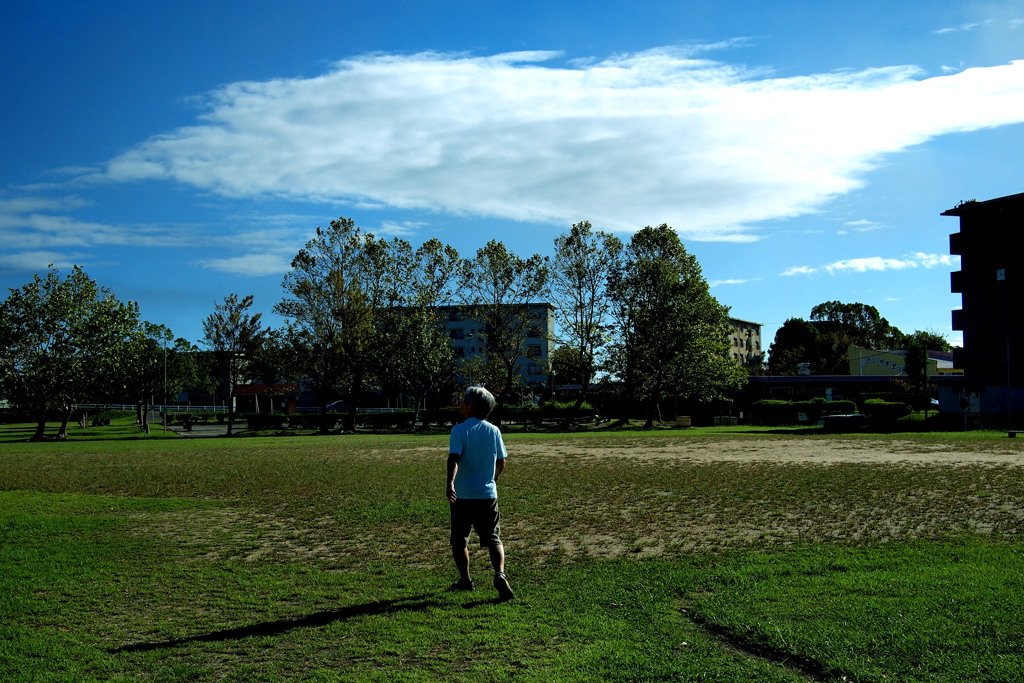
(476, 458)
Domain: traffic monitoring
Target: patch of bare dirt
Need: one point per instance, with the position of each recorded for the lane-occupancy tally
(971, 489)
(784, 450)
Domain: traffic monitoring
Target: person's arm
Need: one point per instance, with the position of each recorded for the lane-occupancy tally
(453, 467)
(499, 467)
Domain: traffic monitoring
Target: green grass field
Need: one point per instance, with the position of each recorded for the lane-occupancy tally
(326, 558)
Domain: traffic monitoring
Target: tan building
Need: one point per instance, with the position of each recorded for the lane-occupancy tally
(746, 342)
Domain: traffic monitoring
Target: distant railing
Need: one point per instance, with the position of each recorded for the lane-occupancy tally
(159, 408)
(175, 408)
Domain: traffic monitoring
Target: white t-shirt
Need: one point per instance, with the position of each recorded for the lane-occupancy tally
(479, 445)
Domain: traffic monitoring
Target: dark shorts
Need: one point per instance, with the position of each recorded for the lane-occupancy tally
(479, 514)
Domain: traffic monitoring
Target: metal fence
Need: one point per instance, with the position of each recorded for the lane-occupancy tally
(158, 408)
(176, 408)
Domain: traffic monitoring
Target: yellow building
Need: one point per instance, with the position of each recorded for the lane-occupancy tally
(868, 362)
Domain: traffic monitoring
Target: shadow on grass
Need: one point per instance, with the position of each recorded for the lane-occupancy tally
(271, 628)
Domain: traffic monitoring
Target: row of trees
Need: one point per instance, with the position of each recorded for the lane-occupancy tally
(822, 341)
(66, 340)
(367, 313)
(363, 312)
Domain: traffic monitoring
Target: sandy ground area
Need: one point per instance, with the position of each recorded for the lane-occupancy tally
(622, 522)
(788, 450)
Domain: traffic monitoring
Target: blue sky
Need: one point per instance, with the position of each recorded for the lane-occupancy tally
(183, 151)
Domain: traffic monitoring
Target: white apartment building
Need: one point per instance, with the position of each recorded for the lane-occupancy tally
(469, 339)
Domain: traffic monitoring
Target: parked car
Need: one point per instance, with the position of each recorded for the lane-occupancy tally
(844, 423)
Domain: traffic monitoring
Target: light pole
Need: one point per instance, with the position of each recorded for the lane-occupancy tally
(163, 405)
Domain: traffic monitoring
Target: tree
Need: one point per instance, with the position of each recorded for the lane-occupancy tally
(334, 291)
(497, 288)
(672, 335)
(932, 341)
(917, 346)
(63, 340)
(823, 341)
(235, 337)
(565, 366)
(841, 325)
(157, 365)
(796, 341)
(146, 361)
(862, 324)
(416, 348)
(583, 262)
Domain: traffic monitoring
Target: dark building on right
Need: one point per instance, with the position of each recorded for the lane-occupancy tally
(991, 316)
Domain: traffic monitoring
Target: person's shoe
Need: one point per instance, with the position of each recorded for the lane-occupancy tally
(461, 585)
(504, 590)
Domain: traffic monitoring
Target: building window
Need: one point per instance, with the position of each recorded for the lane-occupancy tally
(533, 351)
(459, 352)
(533, 369)
(458, 333)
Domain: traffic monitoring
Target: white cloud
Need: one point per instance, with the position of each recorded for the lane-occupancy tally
(862, 225)
(1001, 22)
(934, 260)
(798, 270)
(878, 263)
(717, 283)
(862, 265)
(38, 261)
(970, 26)
(633, 140)
(250, 264)
(399, 229)
(33, 222)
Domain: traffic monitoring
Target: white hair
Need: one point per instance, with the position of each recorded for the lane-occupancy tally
(480, 400)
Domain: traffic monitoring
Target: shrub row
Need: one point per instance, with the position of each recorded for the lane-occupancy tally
(775, 412)
(915, 401)
(402, 419)
(880, 413)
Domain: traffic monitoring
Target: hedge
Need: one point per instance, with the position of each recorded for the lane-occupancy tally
(776, 412)
(884, 413)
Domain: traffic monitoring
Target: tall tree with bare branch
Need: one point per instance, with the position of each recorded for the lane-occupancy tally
(234, 336)
(584, 260)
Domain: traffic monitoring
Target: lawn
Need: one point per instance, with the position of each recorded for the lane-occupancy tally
(635, 557)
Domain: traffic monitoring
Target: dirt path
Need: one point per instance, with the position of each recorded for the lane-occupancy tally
(787, 450)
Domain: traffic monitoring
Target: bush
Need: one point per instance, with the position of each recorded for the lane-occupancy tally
(397, 419)
(263, 421)
(882, 414)
(817, 408)
(521, 414)
(103, 418)
(445, 417)
(916, 402)
(776, 412)
(312, 421)
(560, 410)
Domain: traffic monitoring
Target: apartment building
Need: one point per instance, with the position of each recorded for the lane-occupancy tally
(746, 342)
(992, 290)
(469, 339)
